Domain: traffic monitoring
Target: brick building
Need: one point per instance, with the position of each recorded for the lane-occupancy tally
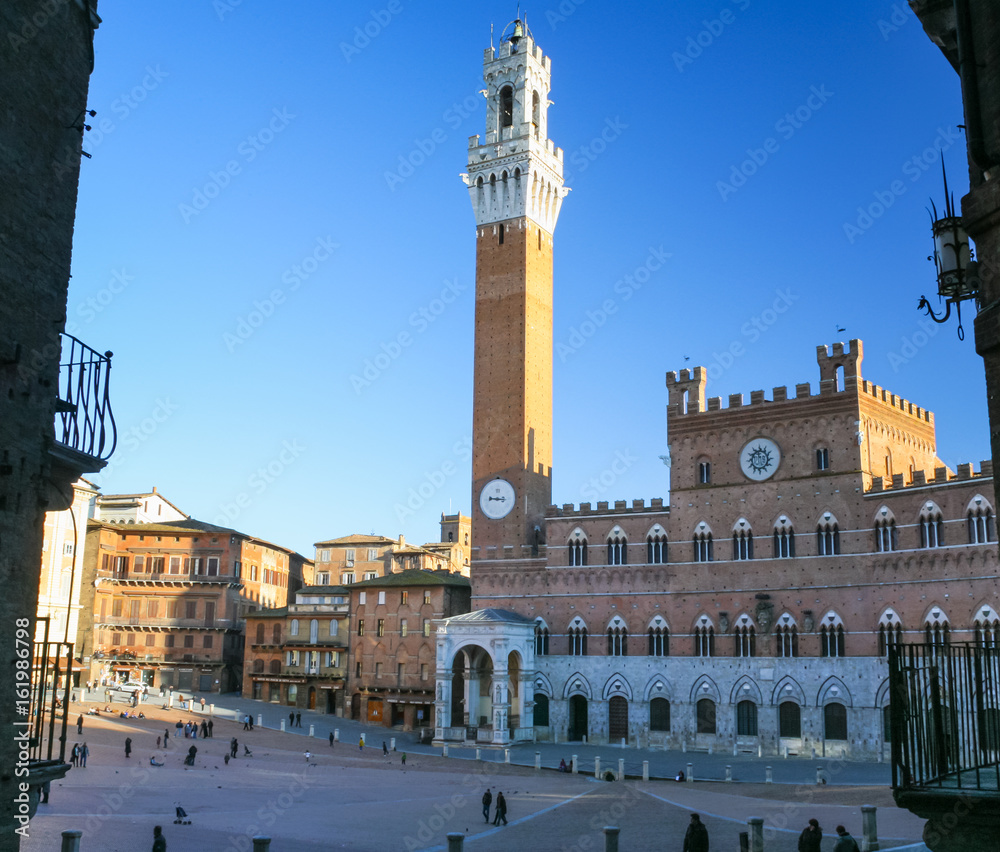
(297, 654)
(391, 656)
(169, 600)
(806, 533)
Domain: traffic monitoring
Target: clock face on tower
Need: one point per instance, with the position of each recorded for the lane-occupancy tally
(497, 499)
(759, 459)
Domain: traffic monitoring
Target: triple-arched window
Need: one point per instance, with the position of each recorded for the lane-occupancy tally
(931, 526)
(784, 539)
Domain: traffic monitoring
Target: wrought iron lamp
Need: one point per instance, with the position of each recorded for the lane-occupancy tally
(957, 272)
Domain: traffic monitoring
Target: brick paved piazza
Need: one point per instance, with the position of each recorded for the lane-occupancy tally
(345, 798)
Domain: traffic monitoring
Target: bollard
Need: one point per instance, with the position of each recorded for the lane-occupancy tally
(611, 838)
(211, 709)
(623, 742)
(768, 777)
(260, 720)
(573, 761)
(784, 752)
(756, 834)
(584, 739)
(336, 735)
(538, 760)
(690, 773)
(237, 716)
(170, 701)
(711, 750)
(597, 768)
(760, 750)
(312, 730)
(735, 750)
(455, 841)
(392, 744)
(281, 725)
(819, 774)
(729, 773)
(444, 750)
(684, 747)
(869, 829)
(506, 755)
(71, 840)
(479, 754)
(645, 770)
(621, 768)
(261, 843)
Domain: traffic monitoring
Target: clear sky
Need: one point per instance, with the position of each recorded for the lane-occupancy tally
(273, 238)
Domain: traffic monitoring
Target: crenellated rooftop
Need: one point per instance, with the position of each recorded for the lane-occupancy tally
(939, 476)
(604, 507)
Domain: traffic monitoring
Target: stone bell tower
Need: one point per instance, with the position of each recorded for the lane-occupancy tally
(516, 187)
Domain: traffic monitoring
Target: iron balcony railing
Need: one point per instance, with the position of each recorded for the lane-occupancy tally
(944, 716)
(42, 718)
(84, 420)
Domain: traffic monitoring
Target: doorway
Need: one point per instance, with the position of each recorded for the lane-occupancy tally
(577, 718)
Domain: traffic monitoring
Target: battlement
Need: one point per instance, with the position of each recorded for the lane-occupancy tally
(604, 507)
(940, 476)
(525, 47)
(897, 402)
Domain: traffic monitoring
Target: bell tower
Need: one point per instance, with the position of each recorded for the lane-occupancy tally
(516, 187)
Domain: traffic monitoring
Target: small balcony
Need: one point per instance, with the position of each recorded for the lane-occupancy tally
(86, 434)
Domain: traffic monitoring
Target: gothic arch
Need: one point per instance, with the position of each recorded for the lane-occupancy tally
(788, 689)
(882, 694)
(543, 684)
(834, 691)
(617, 684)
(577, 684)
(704, 687)
(746, 689)
(658, 686)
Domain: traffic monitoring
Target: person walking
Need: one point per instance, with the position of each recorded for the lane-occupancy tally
(845, 843)
(233, 747)
(159, 841)
(812, 835)
(696, 836)
(210, 726)
(291, 720)
(79, 724)
(501, 810)
(204, 729)
(361, 743)
(166, 737)
(202, 705)
(246, 722)
(84, 754)
(128, 746)
(385, 749)
(298, 720)
(75, 754)
(331, 739)
(487, 801)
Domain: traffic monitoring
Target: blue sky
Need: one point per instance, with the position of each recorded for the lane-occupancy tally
(273, 238)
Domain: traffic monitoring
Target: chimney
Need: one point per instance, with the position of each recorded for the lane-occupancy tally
(402, 540)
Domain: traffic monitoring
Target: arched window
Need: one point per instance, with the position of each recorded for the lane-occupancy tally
(276, 634)
(656, 546)
(618, 640)
(541, 639)
(704, 473)
(704, 638)
(258, 666)
(931, 526)
(784, 539)
(703, 543)
(980, 521)
(617, 548)
(577, 638)
(789, 719)
(987, 629)
(937, 632)
(260, 634)
(293, 627)
(705, 713)
(313, 631)
(275, 667)
(742, 540)
(886, 536)
(828, 536)
(831, 636)
(536, 112)
(890, 632)
(506, 106)
(744, 639)
(659, 714)
(746, 719)
(835, 722)
(577, 549)
(659, 639)
(786, 638)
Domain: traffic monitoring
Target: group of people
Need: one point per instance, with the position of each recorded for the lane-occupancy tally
(78, 756)
(191, 729)
(500, 812)
(294, 720)
(696, 836)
